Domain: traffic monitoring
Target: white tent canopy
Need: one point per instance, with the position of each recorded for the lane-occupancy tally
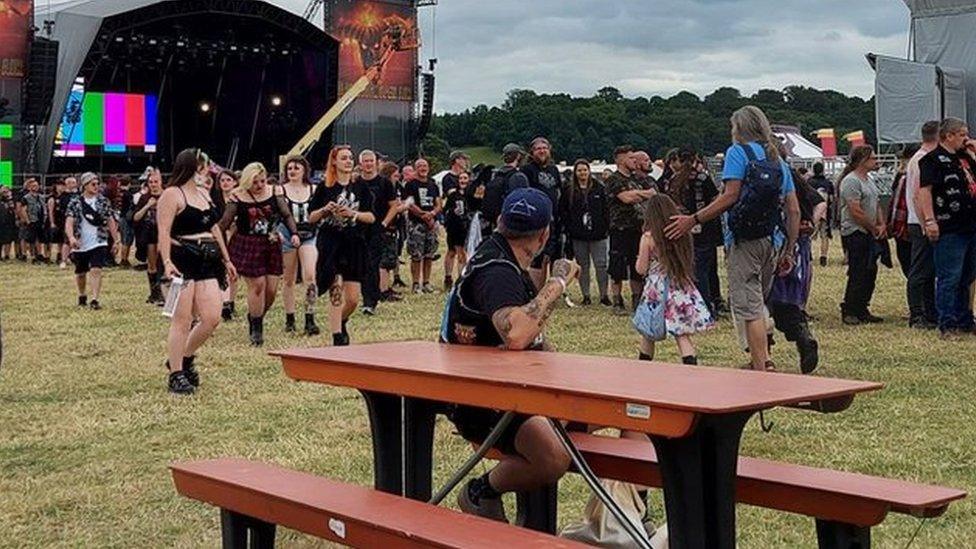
(76, 24)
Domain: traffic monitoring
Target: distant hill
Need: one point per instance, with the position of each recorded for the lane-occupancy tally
(590, 127)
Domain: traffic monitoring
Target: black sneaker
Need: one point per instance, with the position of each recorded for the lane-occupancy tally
(586, 301)
(289, 323)
(851, 320)
(618, 307)
(809, 351)
(95, 305)
(484, 507)
(871, 319)
(399, 283)
(823, 261)
(83, 301)
(226, 313)
(605, 301)
(179, 385)
(369, 311)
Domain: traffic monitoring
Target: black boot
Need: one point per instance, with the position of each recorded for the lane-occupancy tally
(192, 376)
(289, 323)
(340, 340)
(690, 360)
(155, 291)
(808, 349)
(178, 384)
(227, 311)
(311, 329)
(256, 330)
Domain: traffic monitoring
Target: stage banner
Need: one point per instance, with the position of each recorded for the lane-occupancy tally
(15, 20)
(366, 30)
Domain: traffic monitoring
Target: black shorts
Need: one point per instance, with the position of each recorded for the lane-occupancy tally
(193, 268)
(551, 251)
(475, 424)
(345, 257)
(457, 235)
(96, 258)
(34, 233)
(624, 247)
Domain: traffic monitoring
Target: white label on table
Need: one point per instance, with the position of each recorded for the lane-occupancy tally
(638, 411)
(338, 527)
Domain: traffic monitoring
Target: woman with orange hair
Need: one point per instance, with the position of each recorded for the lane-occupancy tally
(345, 210)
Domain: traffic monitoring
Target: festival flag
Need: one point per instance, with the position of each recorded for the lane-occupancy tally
(856, 139)
(828, 141)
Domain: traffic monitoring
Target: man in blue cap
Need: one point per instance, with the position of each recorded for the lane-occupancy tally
(495, 303)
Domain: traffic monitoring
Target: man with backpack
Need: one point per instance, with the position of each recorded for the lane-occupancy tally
(758, 188)
(492, 195)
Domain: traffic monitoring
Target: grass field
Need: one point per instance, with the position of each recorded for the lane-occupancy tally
(87, 428)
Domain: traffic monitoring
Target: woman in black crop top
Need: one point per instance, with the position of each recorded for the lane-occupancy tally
(298, 192)
(255, 209)
(191, 245)
(144, 220)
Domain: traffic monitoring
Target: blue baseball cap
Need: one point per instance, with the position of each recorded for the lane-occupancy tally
(526, 210)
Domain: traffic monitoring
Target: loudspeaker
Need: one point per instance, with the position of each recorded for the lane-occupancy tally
(426, 105)
(42, 72)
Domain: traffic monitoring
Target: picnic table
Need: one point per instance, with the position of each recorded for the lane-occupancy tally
(694, 415)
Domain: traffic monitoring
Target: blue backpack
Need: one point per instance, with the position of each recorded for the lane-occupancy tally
(757, 213)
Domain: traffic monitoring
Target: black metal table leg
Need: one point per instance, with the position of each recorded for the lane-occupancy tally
(418, 440)
(236, 529)
(537, 509)
(838, 535)
(698, 473)
(386, 425)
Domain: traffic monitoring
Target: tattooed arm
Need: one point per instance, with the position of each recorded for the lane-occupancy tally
(519, 327)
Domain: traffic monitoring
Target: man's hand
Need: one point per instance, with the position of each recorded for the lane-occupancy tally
(931, 230)
(786, 264)
(680, 225)
(880, 231)
(73, 243)
(565, 270)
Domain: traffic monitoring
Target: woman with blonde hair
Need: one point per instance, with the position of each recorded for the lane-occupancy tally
(297, 191)
(345, 209)
(255, 208)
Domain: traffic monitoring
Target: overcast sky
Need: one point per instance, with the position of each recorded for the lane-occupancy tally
(655, 47)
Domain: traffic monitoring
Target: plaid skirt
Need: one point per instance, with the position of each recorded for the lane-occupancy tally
(255, 256)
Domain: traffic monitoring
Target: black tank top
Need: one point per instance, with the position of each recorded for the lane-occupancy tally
(299, 210)
(193, 220)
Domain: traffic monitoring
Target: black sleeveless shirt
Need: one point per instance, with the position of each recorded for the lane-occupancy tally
(193, 220)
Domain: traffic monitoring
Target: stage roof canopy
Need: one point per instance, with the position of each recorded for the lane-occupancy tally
(933, 8)
(108, 8)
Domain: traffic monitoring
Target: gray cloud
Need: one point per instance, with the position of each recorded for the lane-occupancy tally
(656, 47)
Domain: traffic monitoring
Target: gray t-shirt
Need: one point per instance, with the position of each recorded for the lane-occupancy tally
(855, 188)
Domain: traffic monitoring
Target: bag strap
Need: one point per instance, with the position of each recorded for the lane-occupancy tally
(750, 154)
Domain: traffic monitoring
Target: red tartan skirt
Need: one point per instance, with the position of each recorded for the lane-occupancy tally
(255, 256)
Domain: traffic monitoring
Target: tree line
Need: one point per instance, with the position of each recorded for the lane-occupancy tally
(590, 127)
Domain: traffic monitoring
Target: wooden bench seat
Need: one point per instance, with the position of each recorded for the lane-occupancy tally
(254, 497)
(846, 505)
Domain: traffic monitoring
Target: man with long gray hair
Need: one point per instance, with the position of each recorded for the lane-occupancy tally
(758, 188)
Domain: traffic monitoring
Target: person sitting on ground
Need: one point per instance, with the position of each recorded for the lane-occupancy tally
(673, 303)
(495, 303)
(88, 223)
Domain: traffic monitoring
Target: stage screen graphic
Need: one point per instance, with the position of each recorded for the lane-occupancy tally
(363, 29)
(15, 19)
(97, 123)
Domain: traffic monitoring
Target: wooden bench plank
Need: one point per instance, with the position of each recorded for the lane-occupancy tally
(351, 515)
(852, 498)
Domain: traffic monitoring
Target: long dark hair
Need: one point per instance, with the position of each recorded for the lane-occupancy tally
(574, 182)
(856, 157)
(185, 166)
(677, 256)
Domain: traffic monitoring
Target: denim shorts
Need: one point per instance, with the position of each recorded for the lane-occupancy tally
(286, 240)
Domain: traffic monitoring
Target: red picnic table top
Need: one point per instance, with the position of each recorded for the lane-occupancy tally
(652, 397)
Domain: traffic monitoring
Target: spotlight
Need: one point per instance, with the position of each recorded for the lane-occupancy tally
(204, 107)
(152, 41)
(276, 100)
(118, 39)
(180, 43)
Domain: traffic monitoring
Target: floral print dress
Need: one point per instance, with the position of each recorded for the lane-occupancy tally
(685, 312)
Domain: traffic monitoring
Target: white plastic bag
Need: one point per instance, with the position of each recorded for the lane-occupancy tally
(474, 235)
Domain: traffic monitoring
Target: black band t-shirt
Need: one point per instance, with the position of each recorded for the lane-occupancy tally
(950, 177)
(424, 194)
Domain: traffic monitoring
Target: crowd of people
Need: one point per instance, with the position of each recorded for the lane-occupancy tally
(343, 233)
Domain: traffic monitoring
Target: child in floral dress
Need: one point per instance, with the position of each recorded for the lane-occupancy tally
(671, 304)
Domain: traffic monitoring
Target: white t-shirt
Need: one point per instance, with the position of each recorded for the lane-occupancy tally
(89, 233)
(912, 183)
